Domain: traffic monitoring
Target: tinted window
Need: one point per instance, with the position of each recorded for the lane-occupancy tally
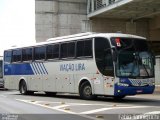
(7, 56)
(16, 55)
(39, 53)
(52, 51)
(103, 56)
(141, 45)
(131, 44)
(71, 49)
(84, 48)
(68, 50)
(64, 50)
(27, 54)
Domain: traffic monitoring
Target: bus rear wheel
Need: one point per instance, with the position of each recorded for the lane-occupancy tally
(23, 88)
(86, 91)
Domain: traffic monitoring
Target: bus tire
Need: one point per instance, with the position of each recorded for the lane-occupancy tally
(23, 88)
(85, 91)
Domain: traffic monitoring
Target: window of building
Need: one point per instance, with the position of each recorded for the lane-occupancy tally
(27, 54)
(16, 55)
(7, 56)
(52, 51)
(84, 48)
(39, 53)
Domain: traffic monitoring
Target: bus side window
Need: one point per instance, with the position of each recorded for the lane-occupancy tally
(64, 50)
(68, 50)
(7, 56)
(16, 55)
(27, 54)
(39, 53)
(52, 51)
(71, 49)
(84, 48)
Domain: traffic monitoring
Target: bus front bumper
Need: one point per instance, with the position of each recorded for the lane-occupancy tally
(124, 91)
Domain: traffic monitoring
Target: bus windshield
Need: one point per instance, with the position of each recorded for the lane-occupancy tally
(134, 58)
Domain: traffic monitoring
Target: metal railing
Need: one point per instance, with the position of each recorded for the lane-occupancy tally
(94, 5)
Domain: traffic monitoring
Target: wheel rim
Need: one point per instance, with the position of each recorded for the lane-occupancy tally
(88, 91)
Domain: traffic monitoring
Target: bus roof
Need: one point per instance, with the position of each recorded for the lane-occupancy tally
(78, 37)
(95, 34)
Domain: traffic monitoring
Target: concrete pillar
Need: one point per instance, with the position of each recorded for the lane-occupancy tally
(59, 17)
(131, 27)
(154, 30)
(71, 15)
(46, 19)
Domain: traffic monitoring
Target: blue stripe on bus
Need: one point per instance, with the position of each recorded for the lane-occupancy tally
(45, 68)
(35, 72)
(18, 69)
(39, 68)
(36, 68)
(25, 69)
(42, 67)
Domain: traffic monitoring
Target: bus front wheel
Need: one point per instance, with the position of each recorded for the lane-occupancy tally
(86, 91)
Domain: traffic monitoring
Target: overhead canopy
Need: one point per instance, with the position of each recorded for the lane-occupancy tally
(127, 9)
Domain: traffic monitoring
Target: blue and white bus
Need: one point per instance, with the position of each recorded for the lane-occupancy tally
(88, 64)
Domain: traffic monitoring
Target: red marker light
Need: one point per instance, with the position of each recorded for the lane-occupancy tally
(118, 42)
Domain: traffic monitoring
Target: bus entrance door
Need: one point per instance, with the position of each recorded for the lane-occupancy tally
(108, 85)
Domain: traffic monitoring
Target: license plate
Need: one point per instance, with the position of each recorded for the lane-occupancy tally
(139, 91)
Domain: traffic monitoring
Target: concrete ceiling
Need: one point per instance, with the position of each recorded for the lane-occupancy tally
(129, 9)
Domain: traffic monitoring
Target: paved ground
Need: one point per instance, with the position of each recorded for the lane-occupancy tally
(157, 89)
(70, 107)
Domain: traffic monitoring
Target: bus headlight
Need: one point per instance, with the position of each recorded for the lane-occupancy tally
(123, 84)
